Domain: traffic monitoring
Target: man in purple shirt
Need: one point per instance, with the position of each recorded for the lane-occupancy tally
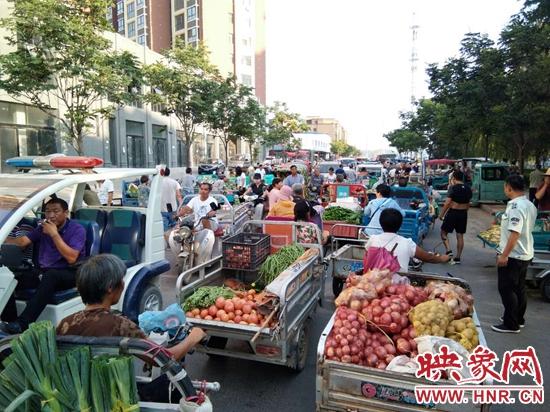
(61, 245)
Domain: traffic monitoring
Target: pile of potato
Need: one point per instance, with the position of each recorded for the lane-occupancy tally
(431, 318)
(464, 332)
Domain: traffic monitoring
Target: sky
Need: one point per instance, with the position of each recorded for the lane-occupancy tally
(350, 59)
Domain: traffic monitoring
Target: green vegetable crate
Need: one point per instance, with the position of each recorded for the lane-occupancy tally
(245, 251)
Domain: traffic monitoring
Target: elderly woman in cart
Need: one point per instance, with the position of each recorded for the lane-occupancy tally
(100, 284)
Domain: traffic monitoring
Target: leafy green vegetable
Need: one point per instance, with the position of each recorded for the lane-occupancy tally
(275, 264)
(36, 378)
(342, 214)
(206, 296)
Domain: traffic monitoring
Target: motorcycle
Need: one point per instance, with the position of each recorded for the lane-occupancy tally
(190, 245)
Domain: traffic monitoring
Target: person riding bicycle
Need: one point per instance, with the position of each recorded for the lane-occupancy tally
(202, 206)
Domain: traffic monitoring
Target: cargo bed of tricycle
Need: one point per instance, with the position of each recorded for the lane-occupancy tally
(285, 344)
(348, 387)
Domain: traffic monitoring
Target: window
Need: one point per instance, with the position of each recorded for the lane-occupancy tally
(191, 13)
(247, 60)
(230, 38)
(180, 22)
(160, 146)
(120, 7)
(246, 80)
(494, 173)
(121, 25)
(141, 39)
(190, 3)
(132, 29)
(179, 4)
(140, 21)
(131, 10)
(231, 18)
(113, 141)
(139, 3)
(192, 34)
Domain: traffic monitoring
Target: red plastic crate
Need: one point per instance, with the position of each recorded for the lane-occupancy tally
(351, 232)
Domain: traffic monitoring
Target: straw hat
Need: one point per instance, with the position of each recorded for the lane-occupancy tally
(547, 172)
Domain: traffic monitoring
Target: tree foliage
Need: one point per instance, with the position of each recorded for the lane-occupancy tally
(341, 148)
(281, 125)
(184, 85)
(60, 58)
(235, 113)
(492, 99)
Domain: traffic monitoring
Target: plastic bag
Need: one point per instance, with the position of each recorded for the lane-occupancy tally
(189, 406)
(380, 258)
(354, 297)
(167, 320)
(402, 364)
(456, 297)
(433, 345)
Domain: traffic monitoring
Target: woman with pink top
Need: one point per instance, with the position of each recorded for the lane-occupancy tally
(274, 192)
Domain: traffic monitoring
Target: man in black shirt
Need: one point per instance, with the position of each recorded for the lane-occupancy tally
(455, 213)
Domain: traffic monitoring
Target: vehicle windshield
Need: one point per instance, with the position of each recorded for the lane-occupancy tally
(347, 162)
(14, 193)
(323, 167)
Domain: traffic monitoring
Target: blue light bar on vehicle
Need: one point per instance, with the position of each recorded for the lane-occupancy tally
(55, 161)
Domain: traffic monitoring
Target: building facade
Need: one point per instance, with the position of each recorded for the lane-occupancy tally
(147, 22)
(326, 125)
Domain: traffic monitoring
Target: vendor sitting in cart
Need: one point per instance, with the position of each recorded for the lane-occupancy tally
(100, 284)
(375, 207)
(61, 246)
(404, 249)
(307, 233)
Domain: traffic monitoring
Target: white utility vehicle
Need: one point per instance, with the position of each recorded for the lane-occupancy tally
(134, 234)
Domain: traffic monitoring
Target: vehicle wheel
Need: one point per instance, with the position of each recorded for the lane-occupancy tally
(545, 288)
(337, 286)
(300, 354)
(151, 299)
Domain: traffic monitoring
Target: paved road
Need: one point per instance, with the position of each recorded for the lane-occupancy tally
(249, 386)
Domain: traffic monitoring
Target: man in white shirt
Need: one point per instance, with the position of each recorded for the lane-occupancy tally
(170, 198)
(189, 181)
(260, 170)
(515, 251)
(403, 248)
(201, 206)
(105, 192)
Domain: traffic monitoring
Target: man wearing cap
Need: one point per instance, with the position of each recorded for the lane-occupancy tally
(293, 177)
(543, 192)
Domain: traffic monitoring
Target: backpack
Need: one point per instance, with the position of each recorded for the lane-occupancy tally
(380, 258)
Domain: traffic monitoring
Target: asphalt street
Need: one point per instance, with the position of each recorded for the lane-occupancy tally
(252, 386)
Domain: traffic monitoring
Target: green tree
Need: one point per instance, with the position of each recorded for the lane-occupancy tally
(235, 113)
(60, 58)
(184, 85)
(281, 125)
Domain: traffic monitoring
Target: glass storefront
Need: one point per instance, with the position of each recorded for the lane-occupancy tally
(25, 131)
(135, 143)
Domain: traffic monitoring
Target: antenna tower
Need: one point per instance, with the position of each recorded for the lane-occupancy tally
(414, 58)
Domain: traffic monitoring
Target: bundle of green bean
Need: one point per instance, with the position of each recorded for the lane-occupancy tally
(342, 214)
(275, 264)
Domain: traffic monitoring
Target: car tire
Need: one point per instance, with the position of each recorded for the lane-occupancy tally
(301, 350)
(151, 299)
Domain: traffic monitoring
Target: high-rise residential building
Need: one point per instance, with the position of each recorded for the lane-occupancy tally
(330, 126)
(147, 22)
(232, 30)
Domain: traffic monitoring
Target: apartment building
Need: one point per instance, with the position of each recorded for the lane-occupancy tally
(147, 22)
(326, 125)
